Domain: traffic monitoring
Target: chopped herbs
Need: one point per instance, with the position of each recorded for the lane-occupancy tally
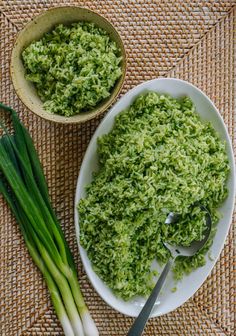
(73, 67)
(160, 157)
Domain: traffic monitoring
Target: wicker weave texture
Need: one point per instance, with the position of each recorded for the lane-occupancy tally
(193, 40)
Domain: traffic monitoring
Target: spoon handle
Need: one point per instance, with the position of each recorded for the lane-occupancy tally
(140, 322)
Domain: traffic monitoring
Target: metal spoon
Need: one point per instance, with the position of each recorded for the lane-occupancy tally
(140, 322)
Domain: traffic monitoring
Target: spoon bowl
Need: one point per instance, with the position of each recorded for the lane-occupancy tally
(189, 251)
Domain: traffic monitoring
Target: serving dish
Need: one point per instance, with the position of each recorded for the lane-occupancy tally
(190, 284)
(34, 30)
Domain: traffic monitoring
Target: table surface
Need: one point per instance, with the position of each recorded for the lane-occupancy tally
(192, 40)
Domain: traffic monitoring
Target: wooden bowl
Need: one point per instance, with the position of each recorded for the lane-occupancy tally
(34, 30)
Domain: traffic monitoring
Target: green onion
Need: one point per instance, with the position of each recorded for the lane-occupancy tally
(24, 187)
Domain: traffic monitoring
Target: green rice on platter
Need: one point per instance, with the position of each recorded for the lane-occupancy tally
(160, 157)
(73, 67)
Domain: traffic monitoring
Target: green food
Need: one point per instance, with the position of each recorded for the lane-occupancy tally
(73, 67)
(160, 157)
(23, 185)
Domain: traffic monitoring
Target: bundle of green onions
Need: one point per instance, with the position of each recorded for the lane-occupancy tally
(24, 187)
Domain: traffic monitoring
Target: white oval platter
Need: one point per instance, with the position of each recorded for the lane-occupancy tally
(168, 301)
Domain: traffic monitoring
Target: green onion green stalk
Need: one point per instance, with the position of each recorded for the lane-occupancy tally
(24, 187)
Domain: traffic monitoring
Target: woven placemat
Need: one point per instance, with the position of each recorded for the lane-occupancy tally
(192, 40)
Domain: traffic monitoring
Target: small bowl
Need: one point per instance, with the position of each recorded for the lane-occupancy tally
(34, 30)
